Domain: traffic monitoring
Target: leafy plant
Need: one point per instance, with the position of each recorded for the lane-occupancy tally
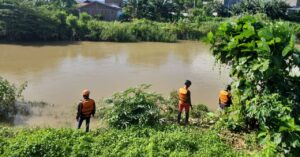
(275, 9)
(134, 106)
(170, 140)
(8, 97)
(262, 55)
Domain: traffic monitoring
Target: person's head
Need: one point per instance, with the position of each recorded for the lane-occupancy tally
(187, 83)
(86, 93)
(228, 88)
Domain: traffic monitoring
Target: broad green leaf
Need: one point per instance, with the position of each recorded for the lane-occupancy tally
(250, 45)
(277, 40)
(232, 44)
(265, 33)
(289, 47)
(210, 37)
(248, 31)
(265, 66)
(263, 46)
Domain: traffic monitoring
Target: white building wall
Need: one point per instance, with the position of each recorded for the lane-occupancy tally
(292, 3)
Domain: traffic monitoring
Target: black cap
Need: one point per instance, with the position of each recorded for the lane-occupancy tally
(188, 83)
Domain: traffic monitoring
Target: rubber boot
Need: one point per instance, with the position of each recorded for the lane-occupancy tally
(179, 117)
(187, 118)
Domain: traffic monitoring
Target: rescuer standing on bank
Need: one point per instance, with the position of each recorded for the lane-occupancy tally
(185, 101)
(225, 97)
(86, 108)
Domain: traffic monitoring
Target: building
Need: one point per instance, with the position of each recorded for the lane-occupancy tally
(110, 10)
(292, 3)
(114, 2)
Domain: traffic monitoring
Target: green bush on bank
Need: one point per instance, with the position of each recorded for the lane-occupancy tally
(262, 55)
(134, 106)
(135, 141)
(137, 30)
(8, 97)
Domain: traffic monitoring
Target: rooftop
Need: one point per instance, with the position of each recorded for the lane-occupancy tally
(87, 3)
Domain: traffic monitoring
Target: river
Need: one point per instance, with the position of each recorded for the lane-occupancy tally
(57, 73)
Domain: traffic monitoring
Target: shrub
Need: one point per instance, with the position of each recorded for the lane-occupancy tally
(199, 111)
(95, 29)
(117, 32)
(170, 109)
(275, 9)
(8, 97)
(134, 106)
(262, 55)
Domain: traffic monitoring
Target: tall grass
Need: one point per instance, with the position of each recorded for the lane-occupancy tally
(138, 30)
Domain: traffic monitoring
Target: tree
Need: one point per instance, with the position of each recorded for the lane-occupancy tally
(262, 55)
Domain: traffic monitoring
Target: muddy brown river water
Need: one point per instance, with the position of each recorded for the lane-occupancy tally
(57, 72)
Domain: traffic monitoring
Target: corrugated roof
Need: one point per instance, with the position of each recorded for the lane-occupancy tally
(82, 4)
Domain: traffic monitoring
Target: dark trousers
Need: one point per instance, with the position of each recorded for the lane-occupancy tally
(187, 108)
(186, 117)
(87, 122)
(223, 106)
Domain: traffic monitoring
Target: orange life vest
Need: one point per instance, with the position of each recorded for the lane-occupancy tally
(87, 107)
(183, 98)
(224, 97)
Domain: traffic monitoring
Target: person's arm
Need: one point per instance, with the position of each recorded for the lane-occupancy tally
(189, 98)
(94, 110)
(79, 107)
(229, 99)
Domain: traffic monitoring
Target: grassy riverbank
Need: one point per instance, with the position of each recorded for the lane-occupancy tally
(170, 140)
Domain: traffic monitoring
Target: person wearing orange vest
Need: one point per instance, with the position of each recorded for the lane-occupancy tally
(86, 108)
(184, 101)
(225, 97)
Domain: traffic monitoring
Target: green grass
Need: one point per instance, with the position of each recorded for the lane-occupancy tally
(171, 140)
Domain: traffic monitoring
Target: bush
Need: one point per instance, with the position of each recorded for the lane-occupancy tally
(199, 111)
(8, 97)
(117, 32)
(134, 106)
(275, 9)
(169, 110)
(262, 55)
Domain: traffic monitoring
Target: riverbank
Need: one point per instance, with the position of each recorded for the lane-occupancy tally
(134, 31)
(30, 21)
(170, 140)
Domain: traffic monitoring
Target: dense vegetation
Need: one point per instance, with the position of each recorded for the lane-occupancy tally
(174, 10)
(265, 72)
(44, 20)
(33, 20)
(134, 141)
(275, 9)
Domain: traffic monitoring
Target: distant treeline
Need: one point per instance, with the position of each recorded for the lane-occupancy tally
(28, 21)
(44, 20)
